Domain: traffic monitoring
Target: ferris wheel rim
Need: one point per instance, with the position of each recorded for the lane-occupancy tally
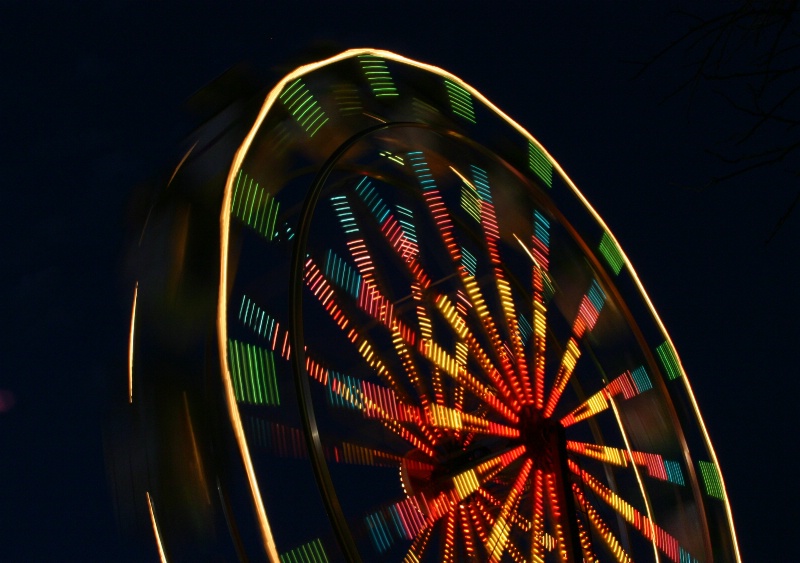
(222, 315)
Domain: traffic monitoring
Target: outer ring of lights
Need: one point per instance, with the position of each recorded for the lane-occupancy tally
(312, 433)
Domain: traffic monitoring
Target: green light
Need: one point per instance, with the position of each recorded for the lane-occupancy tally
(540, 164)
(525, 328)
(549, 288)
(470, 202)
(711, 479)
(300, 102)
(377, 74)
(611, 253)
(669, 360)
(311, 552)
(460, 101)
(393, 157)
(254, 206)
(254, 377)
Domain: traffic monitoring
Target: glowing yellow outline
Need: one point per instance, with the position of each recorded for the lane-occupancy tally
(650, 520)
(233, 409)
(463, 178)
(130, 344)
(175, 172)
(161, 554)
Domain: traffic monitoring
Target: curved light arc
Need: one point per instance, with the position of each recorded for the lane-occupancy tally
(131, 343)
(612, 401)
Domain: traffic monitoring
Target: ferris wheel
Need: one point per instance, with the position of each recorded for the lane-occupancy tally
(430, 347)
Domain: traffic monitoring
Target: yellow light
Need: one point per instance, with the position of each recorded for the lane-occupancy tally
(161, 554)
(466, 483)
(130, 344)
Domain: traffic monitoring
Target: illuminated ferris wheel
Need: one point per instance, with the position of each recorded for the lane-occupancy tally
(432, 348)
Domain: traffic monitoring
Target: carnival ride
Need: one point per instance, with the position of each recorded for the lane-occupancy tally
(428, 346)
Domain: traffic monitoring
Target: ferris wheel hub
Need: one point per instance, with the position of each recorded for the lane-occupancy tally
(543, 438)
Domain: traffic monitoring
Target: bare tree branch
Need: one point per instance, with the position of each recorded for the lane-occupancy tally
(750, 52)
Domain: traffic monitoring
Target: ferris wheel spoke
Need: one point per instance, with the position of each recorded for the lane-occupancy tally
(426, 331)
(491, 231)
(657, 467)
(467, 532)
(252, 316)
(350, 453)
(588, 311)
(456, 321)
(515, 553)
(450, 366)
(321, 288)
(627, 385)
(441, 216)
(517, 520)
(399, 231)
(354, 240)
(586, 543)
(521, 383)
(410, 366)
(449, 538)
(418, 547)
(418, 512)
(454, 419)
(373, 401)
(538, 517)
(498, 537)
(600, 527)
(409, 518)
(287, 441)
(484, 521)
(558, 514)
(661, 539)
(280, 440)
(479, 305)
(381, 404)
(540, 255)
(363, 286)
(370, 298)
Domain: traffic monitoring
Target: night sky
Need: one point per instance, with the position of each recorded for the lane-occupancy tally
(93, 104)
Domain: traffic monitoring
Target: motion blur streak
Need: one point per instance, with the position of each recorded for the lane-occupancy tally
(161, 553)
(130, 344)
(201, 476)
(653, 535)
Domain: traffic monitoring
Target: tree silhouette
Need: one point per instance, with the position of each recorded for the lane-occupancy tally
(748, 55)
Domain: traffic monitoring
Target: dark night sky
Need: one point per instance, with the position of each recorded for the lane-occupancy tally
(92, 103)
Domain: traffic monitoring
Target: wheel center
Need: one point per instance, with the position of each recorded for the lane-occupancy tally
(542, 437)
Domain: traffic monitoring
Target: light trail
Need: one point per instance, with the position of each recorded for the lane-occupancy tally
(161, 553)
(130, 344)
